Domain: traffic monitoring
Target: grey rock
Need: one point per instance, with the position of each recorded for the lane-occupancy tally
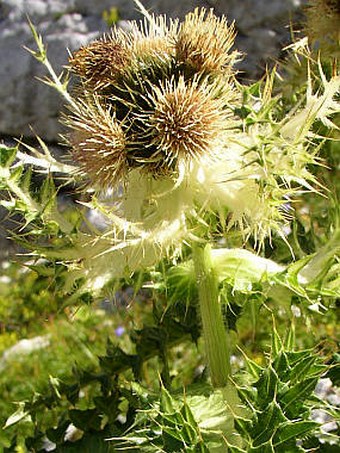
(249, 14)
(260, 47)
(28, 107)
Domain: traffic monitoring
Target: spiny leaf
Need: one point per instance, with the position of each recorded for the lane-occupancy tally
(290, 338)
(293, 430)
(26, 179)
(253, 368)
(16, 173)
(267, 386)
(243, 426)
(270, 418)
(47, 192)
(167, 402)
(277, 344)
(293, 398)
(7, 155)
(302, 368)
(19, 415)
(188, 416)
(281, 366)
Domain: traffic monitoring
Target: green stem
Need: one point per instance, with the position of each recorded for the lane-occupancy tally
(217, 344)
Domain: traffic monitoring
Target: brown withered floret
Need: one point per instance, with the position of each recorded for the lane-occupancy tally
(99, 63)
(204, 42)
(188, 120)
(98, 143)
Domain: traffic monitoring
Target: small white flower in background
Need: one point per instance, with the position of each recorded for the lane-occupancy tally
(296, 311)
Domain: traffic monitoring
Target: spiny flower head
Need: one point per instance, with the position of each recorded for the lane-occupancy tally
(154, 82)
(188, 119)
(98, 142)
(152, 38)
(99, 63)
(204, 43)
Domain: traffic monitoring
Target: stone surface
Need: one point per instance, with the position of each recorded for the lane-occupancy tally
(28, 107)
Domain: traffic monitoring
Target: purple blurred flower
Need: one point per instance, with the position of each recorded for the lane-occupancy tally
(119, 331)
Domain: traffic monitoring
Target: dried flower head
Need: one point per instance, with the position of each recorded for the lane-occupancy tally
(188, 120)
(99, 63)
(165, 112)
(204, 42)
(323, 20)
(154, 37)
(98, 143)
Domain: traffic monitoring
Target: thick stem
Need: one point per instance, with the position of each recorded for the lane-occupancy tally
(217, 344)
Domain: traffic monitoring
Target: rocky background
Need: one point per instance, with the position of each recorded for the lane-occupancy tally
(29, 108)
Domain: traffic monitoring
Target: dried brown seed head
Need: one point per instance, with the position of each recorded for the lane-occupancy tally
(204, 42)
(98, 143)
(99, 63)
(189, 119)
(154, 36)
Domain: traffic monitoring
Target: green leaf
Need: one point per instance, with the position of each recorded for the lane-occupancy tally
(233, 449)
(167, 403)
(243, 426)
(48, 191)
(267, 386)
(86, 420)
(281, 366)
(293, 430)
(181, 283)
(293, 399)
(291, 277)
(295, 357)
(25, 182)
(172, 437)
(242, 268)
(277, 344)
(19, 415)
(302, 368)
(117, 360)
(268, 421)
(7, 155)
(253, 368)
(16, 173)
(188, 416)
(263, 448)
(290, 339)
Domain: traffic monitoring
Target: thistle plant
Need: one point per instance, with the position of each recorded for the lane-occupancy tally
(178, 158)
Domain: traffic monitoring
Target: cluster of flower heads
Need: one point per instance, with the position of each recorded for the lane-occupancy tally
(152, 97)
(162, 131)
